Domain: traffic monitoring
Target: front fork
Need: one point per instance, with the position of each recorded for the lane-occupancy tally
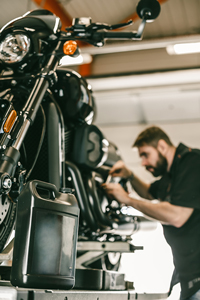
(11, 154)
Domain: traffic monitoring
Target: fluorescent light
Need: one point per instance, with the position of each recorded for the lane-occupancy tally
(79, 60)
(186, 48)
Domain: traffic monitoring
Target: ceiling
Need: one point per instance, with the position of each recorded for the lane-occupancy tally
(144, 62)
(178, 21)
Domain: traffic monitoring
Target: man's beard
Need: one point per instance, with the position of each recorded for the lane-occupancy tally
(160, 168)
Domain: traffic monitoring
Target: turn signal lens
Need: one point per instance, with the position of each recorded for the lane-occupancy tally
(10, 121)
(70, 47)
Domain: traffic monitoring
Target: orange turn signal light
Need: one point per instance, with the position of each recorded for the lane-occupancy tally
(10, 121)
(70, 47)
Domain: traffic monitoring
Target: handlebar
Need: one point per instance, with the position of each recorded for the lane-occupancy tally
(95, 33)
(97, 38)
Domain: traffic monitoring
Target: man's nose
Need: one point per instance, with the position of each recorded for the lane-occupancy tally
(144, 162)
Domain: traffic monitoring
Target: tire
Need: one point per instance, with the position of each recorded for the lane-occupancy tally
(7, 220)
(109, 262)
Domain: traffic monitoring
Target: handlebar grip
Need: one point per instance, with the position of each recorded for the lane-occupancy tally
(115, 35)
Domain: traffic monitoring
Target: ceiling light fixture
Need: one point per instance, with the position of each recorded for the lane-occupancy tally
(185, 48)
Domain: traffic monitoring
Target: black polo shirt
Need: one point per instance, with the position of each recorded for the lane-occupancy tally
(181, 186)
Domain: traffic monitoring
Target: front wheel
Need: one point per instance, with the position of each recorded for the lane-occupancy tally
(7, 219)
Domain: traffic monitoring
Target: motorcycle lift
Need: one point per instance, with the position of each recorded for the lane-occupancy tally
(91, 284)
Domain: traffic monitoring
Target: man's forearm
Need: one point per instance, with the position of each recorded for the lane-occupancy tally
(141, 188)
(163, 211)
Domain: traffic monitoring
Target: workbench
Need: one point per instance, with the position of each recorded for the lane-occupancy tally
(8, 292)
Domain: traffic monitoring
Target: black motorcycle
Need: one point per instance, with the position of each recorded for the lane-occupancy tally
(47, 131)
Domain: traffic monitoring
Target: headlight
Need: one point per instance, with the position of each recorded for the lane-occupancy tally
(14, 48)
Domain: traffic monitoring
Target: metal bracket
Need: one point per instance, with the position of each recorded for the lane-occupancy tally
(107, 246)
(94, 250)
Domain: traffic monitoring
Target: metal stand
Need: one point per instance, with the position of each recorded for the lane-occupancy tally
(11, 293)
(97, 284)
(94, 250)
(100, 279)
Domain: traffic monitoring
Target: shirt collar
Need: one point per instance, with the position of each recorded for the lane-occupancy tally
(180, 151)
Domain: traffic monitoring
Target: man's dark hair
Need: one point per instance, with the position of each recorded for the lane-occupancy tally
(151, 136)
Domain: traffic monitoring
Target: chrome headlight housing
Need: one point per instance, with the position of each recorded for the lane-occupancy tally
(14, 47)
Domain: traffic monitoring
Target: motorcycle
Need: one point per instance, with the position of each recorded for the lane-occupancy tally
(47, 129)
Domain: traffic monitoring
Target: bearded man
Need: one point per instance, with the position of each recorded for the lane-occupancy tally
(178, 190)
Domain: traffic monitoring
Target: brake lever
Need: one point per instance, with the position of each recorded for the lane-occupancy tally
(84, 25)
(99, 26)
(117, 26)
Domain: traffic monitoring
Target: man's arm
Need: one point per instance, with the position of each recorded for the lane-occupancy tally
(141, 187)
(163, 211)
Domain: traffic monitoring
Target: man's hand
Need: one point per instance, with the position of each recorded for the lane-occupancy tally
(115, 191)
(120, 170)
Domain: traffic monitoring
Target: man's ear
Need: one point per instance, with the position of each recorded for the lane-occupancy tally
(162, 147)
